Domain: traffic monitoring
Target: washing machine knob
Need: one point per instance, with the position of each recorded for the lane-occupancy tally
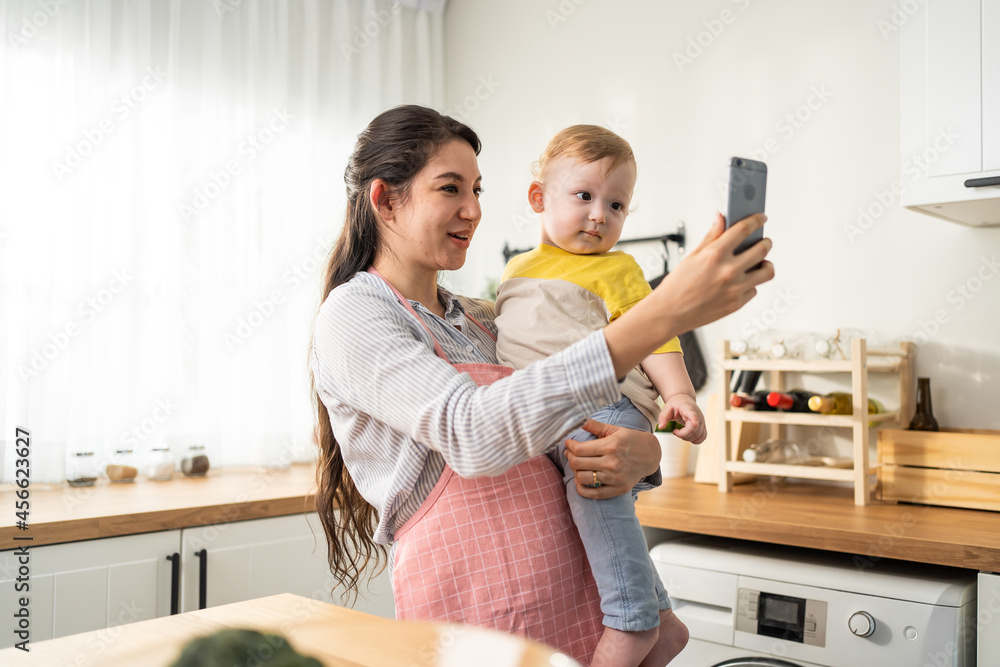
(861, 623)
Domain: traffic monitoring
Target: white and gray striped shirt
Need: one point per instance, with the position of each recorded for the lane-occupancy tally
(399, 412)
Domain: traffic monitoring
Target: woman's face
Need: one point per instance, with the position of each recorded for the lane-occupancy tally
(431, 230)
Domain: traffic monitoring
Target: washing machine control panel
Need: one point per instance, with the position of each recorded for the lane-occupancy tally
(781, 616)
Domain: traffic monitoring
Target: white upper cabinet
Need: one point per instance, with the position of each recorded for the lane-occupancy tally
(950, 88)
(991, 86)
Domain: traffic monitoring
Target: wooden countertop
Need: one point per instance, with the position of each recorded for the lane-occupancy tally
(825, 517)
(59, 513)
(806, 515)
(336, 636)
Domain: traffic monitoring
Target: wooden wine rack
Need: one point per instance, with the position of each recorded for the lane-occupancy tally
(862, 362)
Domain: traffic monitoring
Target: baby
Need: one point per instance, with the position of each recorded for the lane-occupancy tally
(568, 287)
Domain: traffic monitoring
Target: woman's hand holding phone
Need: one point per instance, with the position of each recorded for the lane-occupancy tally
(714, 281)
(710, 283)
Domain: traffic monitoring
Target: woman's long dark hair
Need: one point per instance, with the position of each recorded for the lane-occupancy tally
(395, 146)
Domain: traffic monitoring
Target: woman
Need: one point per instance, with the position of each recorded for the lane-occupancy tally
(427, 444)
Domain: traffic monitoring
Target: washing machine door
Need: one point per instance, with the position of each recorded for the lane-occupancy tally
(755, 662)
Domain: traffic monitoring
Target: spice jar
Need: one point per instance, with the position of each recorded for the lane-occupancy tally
(160, 465)
(80, 469)
(195, 464)
(122, 467)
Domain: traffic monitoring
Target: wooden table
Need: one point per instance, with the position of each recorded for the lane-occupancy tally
(825, 517)
(336, 636)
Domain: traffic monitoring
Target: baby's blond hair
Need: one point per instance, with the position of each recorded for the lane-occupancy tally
(587, 143)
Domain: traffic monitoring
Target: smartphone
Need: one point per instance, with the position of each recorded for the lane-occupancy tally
(747, 187)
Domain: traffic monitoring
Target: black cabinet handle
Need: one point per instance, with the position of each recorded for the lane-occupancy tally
(175, 582)
(982, 182)
(202, 577)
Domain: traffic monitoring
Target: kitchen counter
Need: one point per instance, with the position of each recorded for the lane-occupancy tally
(806, 515)
(336, 636)
(825, 517)
(59, 513)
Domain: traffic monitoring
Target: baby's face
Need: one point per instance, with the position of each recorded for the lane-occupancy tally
(583, 209)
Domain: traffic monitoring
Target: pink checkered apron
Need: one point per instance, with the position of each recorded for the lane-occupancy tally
(499, 552)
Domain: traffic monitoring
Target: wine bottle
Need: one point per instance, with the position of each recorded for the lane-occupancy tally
(750, 380)
(841, 403)
(923, 419)
(737, 383)
(743, 386)
(796, 400)
(755, 401)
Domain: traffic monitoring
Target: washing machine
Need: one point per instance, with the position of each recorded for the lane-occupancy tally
(748, 603)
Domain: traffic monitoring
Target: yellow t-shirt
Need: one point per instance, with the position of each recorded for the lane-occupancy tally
(549, 299)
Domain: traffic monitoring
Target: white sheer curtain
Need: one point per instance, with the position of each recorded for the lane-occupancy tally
(172, 177)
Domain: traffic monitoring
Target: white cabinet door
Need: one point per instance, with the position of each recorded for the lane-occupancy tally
(954, 83)
(260, 557)
(950, 106)
(91, 585)
(988, 628)
(991, 85)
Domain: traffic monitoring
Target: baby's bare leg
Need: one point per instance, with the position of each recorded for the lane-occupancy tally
(673, 638)
(624, 649)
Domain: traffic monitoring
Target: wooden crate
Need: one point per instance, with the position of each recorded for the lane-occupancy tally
(950, 467)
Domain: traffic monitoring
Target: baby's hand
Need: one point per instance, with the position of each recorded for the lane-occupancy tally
(682, 408)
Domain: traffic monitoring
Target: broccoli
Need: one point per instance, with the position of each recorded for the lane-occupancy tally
(236, 647)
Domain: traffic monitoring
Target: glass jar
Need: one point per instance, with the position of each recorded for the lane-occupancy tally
(776, 451)
(160, 464)
(122, 467)
(787, 347)
(195, 464)
(81, 469)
